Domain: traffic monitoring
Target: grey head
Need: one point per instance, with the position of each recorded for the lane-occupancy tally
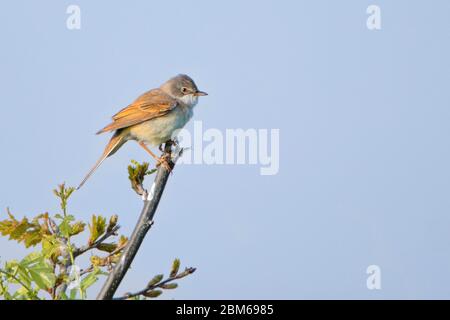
(182, 87)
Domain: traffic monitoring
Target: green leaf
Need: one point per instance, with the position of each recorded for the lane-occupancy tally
(156, 279)
(137, 173)
(153, 293)
(38, 269)
(175, 267)
(6, 227)
(169, 286)
(30, 259)
(65, 227)
(63, 296)
(107, 247)
(63, 193)
(122, 241)
(90, 279)
(23, 293)
(73, 294)
(8, 296)
(43, 276)
(30, 233)
(112, 222)
(98, 261)
(52, 247)
(19, 229)
(96, 228)
(16, 271)
(32, 238)
(23, 275)
(77, 228)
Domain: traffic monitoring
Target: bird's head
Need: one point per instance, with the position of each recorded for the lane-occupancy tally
(183, 88)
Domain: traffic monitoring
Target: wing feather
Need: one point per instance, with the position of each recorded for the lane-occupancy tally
(150, 105)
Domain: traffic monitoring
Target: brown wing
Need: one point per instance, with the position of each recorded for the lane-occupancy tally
(150, 105)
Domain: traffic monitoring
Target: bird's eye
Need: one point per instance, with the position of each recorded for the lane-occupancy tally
(184, 90)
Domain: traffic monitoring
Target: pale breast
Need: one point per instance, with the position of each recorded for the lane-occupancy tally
(159, 130)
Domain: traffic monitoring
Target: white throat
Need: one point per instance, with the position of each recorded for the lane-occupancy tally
(189, 100)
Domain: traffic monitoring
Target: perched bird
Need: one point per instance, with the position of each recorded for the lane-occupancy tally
(152, 118)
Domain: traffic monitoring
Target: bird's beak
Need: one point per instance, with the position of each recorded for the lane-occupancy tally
(200, 93)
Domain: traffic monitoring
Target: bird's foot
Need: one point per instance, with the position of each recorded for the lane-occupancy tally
(171, 143)
(165, 161)
(175, 142)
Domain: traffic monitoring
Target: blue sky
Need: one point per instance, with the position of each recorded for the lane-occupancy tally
(363, 118)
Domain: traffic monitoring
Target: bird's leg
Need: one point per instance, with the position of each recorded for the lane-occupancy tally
(169, 143)
(159, 161)
(172, 143)
(148, 150)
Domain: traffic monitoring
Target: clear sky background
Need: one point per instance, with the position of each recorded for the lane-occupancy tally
(364, 128)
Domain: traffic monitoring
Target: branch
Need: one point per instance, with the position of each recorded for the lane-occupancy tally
(161, 285)
(151, 201)
(91, 267)
(108, 233)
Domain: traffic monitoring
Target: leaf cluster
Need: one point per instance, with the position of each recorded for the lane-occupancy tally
(157, 284)
(52, 270)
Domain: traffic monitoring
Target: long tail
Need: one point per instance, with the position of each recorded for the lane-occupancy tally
(114, 144)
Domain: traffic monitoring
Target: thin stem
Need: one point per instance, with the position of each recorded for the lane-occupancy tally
(33, 294)
(91, 267)
(99, 241)
(70, 248)
(158, 285)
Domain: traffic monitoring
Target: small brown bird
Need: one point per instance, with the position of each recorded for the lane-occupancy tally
(152, 118)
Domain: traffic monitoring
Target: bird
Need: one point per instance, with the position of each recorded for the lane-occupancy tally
(152, 119)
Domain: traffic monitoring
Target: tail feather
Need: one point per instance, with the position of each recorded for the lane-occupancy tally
(114, 144)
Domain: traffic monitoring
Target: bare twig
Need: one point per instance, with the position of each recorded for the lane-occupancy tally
(161, 285)
(83, 249)
(111, 254)
(151, 201)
